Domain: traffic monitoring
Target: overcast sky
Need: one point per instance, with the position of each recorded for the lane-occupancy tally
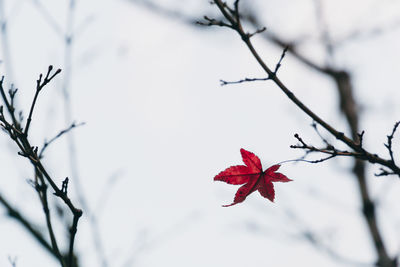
(159, 127)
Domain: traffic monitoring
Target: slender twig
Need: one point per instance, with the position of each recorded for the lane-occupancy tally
(223, 82)
(315, 127)
(329, 149)
(61, 133)
(384, 172)
(39, 86)
(278, 65)
(9, 108)
(210, 22)
(258, 31)
(12, 92)
(389, 140)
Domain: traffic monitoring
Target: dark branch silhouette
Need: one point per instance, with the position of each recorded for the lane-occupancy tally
(13, 127)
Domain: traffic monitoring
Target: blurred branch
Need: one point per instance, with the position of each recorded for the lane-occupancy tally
(12, 261)
(51, 21)
(106, 192)
(69, 36)
(324, 31)
(316, 240)
(27, 225)
(171, 13)
(320, 245)
(5, 44)
(69, 41)
(172, 231)
(372, 32)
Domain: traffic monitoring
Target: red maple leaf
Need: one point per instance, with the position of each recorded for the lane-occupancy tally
(253, 178)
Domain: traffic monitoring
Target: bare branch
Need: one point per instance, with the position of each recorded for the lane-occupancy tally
(373, 158)
(42, 177)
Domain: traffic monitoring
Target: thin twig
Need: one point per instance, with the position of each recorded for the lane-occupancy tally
(223, 82)
(329, 149)
(384, 172)
(315, 127)
(61, 133)
(389, 139)
(39, 86)
(278, 65)
(210, 22)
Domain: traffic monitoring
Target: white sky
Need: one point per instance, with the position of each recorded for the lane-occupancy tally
(148, 89)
